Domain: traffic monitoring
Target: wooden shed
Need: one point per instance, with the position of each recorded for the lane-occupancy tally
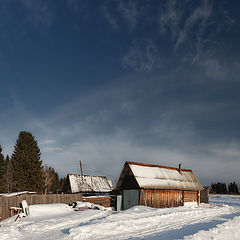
(88, 185)
(157, 186)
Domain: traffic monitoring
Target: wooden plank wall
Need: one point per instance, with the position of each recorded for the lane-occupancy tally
(14, 201)
(161, 198)
(107, 201)
(190, 196)
(204, 195)
(166, 198)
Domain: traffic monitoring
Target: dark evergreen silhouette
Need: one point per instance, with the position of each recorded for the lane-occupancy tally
(233, 188)
(2, 171)
(64, 184)
(8, 175)
(219, 188)
(26, 164)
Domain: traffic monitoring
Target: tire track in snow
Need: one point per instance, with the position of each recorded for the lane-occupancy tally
(119, 228)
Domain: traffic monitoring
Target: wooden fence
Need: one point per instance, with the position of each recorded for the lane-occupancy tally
(105, 201)
(14, 201)
(204, 196)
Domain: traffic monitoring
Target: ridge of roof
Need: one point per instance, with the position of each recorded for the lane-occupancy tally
(159, 166)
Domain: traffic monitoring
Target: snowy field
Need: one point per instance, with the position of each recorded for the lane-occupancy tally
(218, 220)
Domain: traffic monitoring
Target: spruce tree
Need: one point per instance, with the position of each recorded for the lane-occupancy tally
(233, 188)
(8, 175)
(26, 164)
(2, 171)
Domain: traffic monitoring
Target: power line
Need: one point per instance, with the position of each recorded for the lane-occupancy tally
(97, 171)
(64, 164)
(85, 166)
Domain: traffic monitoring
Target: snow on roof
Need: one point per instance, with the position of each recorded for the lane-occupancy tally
(80, 183)
(160, 177)
(15, 193)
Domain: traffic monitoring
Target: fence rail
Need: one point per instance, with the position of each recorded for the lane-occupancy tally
(14, 201)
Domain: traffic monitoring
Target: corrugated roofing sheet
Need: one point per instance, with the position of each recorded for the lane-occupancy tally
(161, 177)
(85, 184)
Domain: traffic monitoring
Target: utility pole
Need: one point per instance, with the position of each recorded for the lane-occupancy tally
(81, 168)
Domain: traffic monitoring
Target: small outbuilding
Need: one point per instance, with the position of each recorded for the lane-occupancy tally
(88, 185)
(156, 186)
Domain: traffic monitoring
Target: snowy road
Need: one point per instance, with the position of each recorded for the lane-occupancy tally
(212, 221)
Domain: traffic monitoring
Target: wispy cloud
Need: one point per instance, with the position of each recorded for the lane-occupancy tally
(38, 12)
(130, 12)
(169, 19)
(141, 56)
(165, 117)
(118, 12)
(51, 149)
(112, 124)
(109, 17)
(198, 15)
(47, 141)
(193, 28)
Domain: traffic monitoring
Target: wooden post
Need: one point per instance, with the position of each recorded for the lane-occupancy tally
(198, 197)
(183, 198)
(81, 168)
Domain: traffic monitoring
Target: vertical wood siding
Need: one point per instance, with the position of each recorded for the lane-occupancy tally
(190, 196)
(166, 198)
(204, 195)
(161, 198)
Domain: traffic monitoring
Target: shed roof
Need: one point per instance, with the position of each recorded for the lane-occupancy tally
(15, 193)
(79, 183)
(150, 176)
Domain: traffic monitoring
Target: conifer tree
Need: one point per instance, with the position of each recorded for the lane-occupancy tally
(2, 170)
(233, 188)
(63, 184)
(8, 175)
(26, 164)
(219, 187)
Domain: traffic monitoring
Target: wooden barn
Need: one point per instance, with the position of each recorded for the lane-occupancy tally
(156, 186)
(88, 185)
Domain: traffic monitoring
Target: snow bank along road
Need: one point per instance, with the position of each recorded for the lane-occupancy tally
(218, 220)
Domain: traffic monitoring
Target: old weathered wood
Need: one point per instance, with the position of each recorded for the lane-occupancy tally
(162, 198)
(190, 196)
(204, 195)
(107, 201)
(166, 187)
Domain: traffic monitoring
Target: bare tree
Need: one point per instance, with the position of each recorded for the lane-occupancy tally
(49, 176)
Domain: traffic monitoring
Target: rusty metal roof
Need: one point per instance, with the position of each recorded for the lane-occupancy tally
(150, 176)
(89, 184)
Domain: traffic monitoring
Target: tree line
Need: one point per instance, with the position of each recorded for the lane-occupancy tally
(23, 171)
(219, 187)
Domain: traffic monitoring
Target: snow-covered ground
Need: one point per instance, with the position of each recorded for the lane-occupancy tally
(218, 220)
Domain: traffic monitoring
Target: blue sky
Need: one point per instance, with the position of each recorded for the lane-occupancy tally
(110, 81)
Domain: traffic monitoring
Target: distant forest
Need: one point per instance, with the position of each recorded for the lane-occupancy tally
(23, 170)
(231, 188)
